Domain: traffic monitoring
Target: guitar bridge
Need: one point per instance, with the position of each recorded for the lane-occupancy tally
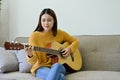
(72, 56)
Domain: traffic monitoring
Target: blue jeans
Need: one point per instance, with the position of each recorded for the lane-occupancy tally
(56, 72)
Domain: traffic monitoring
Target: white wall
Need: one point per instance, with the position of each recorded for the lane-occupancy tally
(4, 22)
(77, 17)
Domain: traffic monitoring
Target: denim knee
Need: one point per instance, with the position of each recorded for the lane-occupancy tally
(59, 66)
(62, 76)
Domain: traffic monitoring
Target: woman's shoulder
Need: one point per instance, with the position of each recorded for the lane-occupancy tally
(62, 31)
(35, 33)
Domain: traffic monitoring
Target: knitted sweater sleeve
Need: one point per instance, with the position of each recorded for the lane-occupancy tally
(74, 42)
(32, 42)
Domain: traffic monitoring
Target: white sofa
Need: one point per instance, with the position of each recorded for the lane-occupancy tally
(100, 56)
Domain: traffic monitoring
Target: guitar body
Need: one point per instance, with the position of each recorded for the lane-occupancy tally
(73, 62)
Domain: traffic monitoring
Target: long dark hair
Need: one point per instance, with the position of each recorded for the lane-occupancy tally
(51, 13)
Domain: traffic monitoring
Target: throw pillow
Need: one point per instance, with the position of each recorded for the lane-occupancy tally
(8, 61)
(24, 66)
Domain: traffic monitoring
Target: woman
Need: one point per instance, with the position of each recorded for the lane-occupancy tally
(46, 33)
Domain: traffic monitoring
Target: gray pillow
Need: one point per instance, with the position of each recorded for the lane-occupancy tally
(24, 66)
(8, 61)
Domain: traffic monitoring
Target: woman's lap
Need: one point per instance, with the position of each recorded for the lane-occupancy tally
(56, 72)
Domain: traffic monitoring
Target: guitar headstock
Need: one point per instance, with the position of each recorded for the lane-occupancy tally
(13, 46)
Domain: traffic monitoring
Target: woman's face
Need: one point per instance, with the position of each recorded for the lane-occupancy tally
(47, 22)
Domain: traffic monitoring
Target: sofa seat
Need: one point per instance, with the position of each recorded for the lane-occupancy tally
(16, 75)
(94, 75)
(81, 75)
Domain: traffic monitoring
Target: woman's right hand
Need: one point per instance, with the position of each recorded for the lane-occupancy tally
(29, 51)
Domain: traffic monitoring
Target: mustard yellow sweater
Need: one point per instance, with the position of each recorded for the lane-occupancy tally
(42, 39)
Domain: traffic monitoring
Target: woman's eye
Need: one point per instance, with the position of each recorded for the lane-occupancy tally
(49, 20)
(43, 20)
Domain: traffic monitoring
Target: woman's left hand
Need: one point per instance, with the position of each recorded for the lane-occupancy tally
(66, 52)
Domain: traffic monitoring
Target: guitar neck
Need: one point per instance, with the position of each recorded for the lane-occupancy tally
(18, 46)
(49, 51)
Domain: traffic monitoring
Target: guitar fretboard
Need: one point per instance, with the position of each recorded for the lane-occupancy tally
(49, 51)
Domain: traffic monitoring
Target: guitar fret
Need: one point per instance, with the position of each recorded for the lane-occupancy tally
(49, 51)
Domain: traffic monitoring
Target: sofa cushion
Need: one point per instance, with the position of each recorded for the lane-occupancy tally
(16, 75)
(24, 66)
(94, 75)
(8, 61)
(100, 52)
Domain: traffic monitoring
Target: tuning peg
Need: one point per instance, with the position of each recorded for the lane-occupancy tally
(12, 41)
(10, 45)
(16, 42)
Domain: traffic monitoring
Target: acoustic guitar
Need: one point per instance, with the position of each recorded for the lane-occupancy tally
(73, 62)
